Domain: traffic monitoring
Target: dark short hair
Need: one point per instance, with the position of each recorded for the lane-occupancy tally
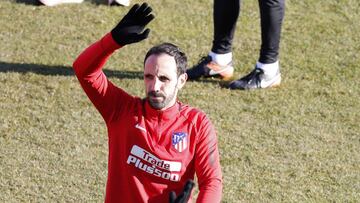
(172, 50)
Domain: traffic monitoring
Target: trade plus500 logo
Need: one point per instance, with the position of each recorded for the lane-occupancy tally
(151, 164)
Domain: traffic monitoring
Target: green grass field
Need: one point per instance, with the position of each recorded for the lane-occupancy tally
(296, 143)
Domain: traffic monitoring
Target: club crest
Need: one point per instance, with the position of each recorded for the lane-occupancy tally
(179, 141)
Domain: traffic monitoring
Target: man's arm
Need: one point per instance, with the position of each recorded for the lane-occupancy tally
(207, 164)
(88, 66)
(88, 69)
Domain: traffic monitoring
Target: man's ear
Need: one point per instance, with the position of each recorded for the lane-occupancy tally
(182, 80)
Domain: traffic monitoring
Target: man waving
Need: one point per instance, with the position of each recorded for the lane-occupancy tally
(156, 144)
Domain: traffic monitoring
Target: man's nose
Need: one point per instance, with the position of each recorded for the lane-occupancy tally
(157, 85)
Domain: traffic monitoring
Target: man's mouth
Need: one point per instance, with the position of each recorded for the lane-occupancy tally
(156, 98)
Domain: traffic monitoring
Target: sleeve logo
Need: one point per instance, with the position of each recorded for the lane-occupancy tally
(179, 141)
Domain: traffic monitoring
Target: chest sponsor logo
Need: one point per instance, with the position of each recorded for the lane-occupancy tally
(151, 164)
(179, 141)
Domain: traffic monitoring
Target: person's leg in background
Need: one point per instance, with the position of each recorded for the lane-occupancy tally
(267, 70)
(219, 60)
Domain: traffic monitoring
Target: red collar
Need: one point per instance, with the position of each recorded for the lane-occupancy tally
(166, 114)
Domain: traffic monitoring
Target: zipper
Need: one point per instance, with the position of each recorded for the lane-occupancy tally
(158, 128)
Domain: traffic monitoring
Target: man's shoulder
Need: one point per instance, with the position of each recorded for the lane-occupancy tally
(192, 113)
(195, 117)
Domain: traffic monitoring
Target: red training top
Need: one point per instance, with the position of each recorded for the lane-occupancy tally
(151, 152)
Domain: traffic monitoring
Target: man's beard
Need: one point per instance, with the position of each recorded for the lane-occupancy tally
(161, 101)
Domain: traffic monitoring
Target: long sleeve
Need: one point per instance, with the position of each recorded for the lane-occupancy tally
(88, 69)
(207, 165)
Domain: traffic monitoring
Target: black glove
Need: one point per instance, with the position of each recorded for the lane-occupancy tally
(130, 28)
(184, 196)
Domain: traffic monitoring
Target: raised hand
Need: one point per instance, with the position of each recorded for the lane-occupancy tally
(131, 27)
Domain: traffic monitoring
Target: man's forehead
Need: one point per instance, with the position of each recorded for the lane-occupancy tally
(160, 64)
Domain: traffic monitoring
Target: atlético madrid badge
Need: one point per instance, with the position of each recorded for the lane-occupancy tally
(179, 141)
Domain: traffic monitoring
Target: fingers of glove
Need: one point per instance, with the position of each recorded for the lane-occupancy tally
(144, 35)
(172, 197)
(147, 19)
(133, 11)
(185, 195)
(146, 11)
(143, 8)
(188, 186)
(143, 21)
(143, 12)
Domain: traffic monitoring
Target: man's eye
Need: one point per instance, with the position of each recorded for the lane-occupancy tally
(163, 79)
(149, 77)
